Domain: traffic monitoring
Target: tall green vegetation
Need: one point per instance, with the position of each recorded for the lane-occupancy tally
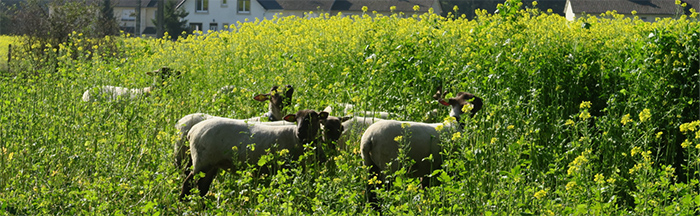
(594, 116)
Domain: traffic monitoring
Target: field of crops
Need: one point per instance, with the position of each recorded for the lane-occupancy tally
(596, 116)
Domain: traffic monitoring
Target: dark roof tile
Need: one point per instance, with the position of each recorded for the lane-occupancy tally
(661, 7)
(310, 5)
(382, 5)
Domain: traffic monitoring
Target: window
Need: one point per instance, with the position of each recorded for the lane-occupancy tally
(243, 6)
(128, 14)
(201, 5)
(224, 3)
(213, 26)
(195, 27)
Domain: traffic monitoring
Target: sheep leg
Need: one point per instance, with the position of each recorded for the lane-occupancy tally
(181, 155)
(204, 183)
(371, 194)
(187, 186)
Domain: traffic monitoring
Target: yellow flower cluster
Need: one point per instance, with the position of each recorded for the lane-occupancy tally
(691, 126)
(585, 105)
(626, 119)
(540, 194)
(456, 136)
(644, 115)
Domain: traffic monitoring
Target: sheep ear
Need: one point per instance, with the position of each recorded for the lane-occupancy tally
(290, 118)
(323, 115)
(443, 102)
(345, 118)
(262, 97)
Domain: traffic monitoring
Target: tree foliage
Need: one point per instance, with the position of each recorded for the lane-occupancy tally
(173, 20)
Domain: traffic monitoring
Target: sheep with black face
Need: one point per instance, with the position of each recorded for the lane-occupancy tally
(382, 140)
(276, 106)
(220, 143)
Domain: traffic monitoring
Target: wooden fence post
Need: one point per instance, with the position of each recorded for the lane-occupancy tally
(9, 58)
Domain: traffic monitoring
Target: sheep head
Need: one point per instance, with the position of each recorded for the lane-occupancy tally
(333, 128)
(164, 73)
(308, 124)
(277, 101)
(459, 101)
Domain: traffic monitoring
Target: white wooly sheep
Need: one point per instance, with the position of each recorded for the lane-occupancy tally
(381, 141)
(349, 109)
(353, 125)
(221, 143)
(112, 93)
(277, 103)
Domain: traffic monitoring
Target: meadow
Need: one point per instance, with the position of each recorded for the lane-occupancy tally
(597, 116)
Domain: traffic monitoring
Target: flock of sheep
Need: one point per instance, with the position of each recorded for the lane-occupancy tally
(221, 143)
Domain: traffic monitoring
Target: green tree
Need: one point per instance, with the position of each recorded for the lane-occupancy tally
(108, 22)
(173, 19)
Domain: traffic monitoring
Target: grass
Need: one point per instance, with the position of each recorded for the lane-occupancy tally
(578, 118)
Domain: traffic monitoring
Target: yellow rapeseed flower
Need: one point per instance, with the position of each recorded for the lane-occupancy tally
(636, 150)
(569, 122)
(691, 126)
(439, 128)
(456, 136)
(398, 138)
(584, 115)
(416, 8)
(467, 109)
(570, 185)
(585, 105)
(686, 143)
(540, 194)
(510, 127)
(411, 188)
(626, 119)
(374, 180)
(599, 178)
(450, 120)
(644, 115)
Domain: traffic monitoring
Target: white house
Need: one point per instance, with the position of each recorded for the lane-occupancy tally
(215, 14)
(647, 10)
(125, 11)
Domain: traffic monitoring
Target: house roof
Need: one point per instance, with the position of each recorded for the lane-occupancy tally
(134, 3)
(667, 7)
(309, 5)
(382, 5)
(468, 6)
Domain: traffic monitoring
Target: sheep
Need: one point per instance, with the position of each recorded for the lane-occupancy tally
(112, 93)
(351, 125)
(183, 126)
(381, 141)
(349, 109)
(221, 143)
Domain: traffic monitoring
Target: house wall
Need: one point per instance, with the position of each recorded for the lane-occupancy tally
(147, 15)
(220, 14)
